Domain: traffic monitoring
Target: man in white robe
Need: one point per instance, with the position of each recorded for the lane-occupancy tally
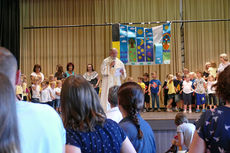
(112, 69)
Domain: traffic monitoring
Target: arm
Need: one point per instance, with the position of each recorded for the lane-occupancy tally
(19, 97)
(72, 149)
(159, 90)
(123, 76)
(98, 81)
(58, 93)
(127, 146)
(149, 88)
(198, 144)
(105, 68)
(180, 142)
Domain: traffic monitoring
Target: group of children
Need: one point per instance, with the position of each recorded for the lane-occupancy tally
(180, 92)
(47, 91)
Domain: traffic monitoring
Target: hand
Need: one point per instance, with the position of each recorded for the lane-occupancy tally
(173, 141)
(112, 64)
(158, 93)
(122, 71)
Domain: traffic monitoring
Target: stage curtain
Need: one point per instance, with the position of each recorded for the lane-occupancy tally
(85, 45)
(205, 41)
(9, 26)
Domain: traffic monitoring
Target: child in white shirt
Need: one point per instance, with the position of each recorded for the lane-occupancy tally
(211, 92)
(187, 93)
(45, 93)
(57, 95)
(35, 90)
(52, 93)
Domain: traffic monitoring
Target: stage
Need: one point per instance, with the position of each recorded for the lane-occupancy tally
(164, 128)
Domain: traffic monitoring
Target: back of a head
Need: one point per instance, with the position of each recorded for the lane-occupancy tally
(112, 97)
(131, 99)
(8, 64)
(9, 138)
(80, 105)
(223, 84)
(180, 119)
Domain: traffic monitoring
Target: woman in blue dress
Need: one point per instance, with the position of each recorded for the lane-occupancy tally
(131, 102)
(213, 128)
(87, 129)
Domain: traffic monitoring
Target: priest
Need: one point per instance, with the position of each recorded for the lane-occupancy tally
(112, 70)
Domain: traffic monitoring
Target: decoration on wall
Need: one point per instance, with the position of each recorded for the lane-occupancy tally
(144, 46)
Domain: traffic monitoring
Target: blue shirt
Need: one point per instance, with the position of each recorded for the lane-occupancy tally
(40, 128)
(67, 74)
(154, 85)
(106, 139)
(214, 129)
(144, 145)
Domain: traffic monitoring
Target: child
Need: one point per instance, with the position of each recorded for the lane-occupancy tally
(19, 91)
(212, 69)
(211, 91)
(192, 76)
(155, 89)
(147, 97)
(187, 93)
(129, 79)
(51, 78)
(140, 82)
(200, 86)
(52, 93)
(57, 95)
(25, 89)
(178, 85)
(35, 90)
(171, 92)
(45, 93)
(165, 91)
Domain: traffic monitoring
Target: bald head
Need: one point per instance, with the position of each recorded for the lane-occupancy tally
(8, 64)
(113, 52)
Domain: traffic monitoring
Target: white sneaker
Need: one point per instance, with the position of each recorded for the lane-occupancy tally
(185, 111)
(190, 111)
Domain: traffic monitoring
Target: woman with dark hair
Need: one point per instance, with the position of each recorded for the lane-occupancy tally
(92, 76)
(60, 73)
(69, 70)
(131, 101)
(213, 128)
(37, 72)
(87, 129)
(9, 137)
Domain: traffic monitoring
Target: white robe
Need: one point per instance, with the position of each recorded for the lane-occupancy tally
(109, 79)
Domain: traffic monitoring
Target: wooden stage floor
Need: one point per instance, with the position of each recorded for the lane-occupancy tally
(167, 115)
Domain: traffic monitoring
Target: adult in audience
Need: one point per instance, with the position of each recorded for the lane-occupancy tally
(213, 128)
(69, 70)
(185, 131)
(40, 127)
(37, 72)
(92, 76)
(60, 73)
(114, 113)
(9, 138)
(131, 101)
(87, 129)
(223, 62)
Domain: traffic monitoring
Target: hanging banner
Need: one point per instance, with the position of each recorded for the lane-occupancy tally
(124, 44)
(158, 53)
(140, 44)
(149, 44)
(166, 43)
(132, 44)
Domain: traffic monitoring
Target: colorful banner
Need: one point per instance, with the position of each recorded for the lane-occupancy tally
(132, 44)
(140, 44)
(124, 43)
(149, 45)
(166, 43)
(158, 53)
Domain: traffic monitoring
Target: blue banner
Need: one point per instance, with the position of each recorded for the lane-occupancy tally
(158, 53)
(149, 45)
(124, 43)
(140, 44)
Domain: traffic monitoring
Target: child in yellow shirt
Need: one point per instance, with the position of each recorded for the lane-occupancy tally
(171, 92)
(141, 83)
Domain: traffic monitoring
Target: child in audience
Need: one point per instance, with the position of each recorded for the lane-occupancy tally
(141, 83)
(187, 93)
(200, 86)
(52, 93)
(211, 92)
(185, 131)
(147, 97)
(171, 92)
(45, 93)
(19, 91)
(57, 95)
(155, 89)
(213, 69)
(35, 90)
(165, 91)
